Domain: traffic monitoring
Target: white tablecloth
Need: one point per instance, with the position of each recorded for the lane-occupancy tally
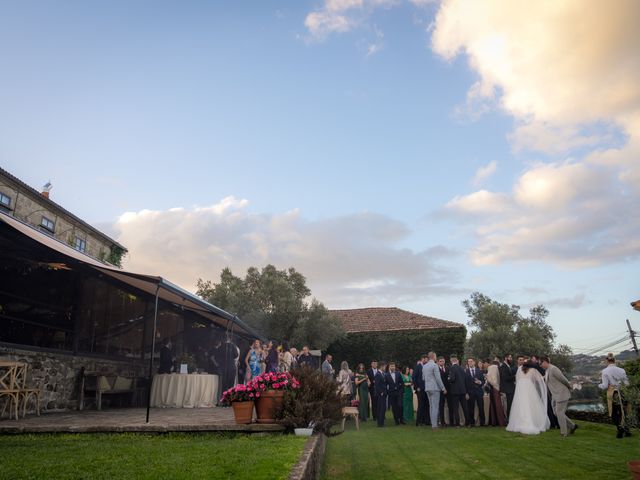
(180, 390)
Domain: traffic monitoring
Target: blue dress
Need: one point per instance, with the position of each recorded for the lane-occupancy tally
(254, 364)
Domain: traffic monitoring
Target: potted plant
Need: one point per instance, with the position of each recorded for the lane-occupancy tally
(271, 387)
(241, 398)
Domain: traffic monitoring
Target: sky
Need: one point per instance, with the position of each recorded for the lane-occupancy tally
(397, 153)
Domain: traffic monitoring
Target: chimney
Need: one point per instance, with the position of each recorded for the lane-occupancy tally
(46, 189)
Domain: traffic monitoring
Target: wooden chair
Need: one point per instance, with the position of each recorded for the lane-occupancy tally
(26, 392)
(8, 387)
(350, 412)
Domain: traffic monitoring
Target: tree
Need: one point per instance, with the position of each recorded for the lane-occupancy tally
(498, 328)
(274, 302)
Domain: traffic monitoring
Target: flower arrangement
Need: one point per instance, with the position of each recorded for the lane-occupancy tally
(355, 403)
(239, 393)
(274, 381)
(253, 389)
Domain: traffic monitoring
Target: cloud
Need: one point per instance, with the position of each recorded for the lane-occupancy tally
(484, 172)
(568, 75)
(571, 214)
(351, 260)
(340, 16)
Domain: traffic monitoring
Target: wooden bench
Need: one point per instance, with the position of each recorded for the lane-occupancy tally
(99, 384)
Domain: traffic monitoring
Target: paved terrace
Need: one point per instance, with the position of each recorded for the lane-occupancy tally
(214, 419)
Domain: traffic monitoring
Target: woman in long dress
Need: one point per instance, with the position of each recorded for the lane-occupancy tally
(344, 380)
(529, 409)
(362, 387)
(496, 411)
(253, 360)
(407, 396)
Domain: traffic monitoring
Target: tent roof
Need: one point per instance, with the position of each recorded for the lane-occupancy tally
(148, 283)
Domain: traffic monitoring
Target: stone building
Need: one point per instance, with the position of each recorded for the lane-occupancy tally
(65, 311)
(38, 210)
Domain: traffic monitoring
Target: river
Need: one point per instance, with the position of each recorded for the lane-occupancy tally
(595, 406)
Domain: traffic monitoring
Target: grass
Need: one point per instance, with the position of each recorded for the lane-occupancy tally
(406, 451)
(148, 456)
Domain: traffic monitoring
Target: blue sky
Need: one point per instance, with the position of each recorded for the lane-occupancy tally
(346, 138)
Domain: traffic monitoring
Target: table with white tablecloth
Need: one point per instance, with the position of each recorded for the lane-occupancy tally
(181, 390)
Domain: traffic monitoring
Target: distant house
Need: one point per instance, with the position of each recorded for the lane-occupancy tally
(390, 333)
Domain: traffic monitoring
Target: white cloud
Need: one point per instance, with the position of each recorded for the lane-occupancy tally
(484, 173)
(569, 77)
(340, 16)
(351, 260)
(480, 202)
(569, 214)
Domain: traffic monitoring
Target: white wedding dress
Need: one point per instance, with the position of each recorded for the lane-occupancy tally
(529, 408)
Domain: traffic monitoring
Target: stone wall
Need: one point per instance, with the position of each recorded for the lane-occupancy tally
(58, 374)
(309, 465)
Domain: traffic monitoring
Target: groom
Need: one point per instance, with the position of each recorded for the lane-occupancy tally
(560, 389)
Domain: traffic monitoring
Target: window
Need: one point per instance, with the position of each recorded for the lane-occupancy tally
(80, 244)
(5, 201)
(48, 224)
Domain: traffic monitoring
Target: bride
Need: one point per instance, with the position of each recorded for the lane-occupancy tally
(529, 409)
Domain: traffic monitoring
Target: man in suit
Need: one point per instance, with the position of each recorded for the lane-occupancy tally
(305, 358)
(327, 368)
(380, 394)
(560, 389)
(433, 386)
(418, 385)
(371, 374)
(457, 392)
(166, 357)
(395, 391)
(444, 398)
(475, 393)
(508, 379)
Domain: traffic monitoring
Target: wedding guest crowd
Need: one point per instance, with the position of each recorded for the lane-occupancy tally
(446, 395)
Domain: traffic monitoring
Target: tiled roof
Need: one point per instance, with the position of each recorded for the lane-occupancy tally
(384, 319)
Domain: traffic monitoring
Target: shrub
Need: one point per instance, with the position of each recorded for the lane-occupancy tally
(316, 402)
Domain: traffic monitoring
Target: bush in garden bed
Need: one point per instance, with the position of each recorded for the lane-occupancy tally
(316, 402)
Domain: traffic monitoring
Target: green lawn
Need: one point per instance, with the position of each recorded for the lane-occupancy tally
(393, 452)
(141, 456)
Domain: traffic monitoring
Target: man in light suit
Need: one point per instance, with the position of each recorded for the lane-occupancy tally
(433, 386)
(560, 389)
(327, 368)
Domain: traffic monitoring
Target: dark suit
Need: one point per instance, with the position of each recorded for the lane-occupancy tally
(457, 391)
(476, 395)
(422, 416)
(444, 376)
(380, 394)
(508, 383)
(166, 360)
(372, 393)
(395, 389)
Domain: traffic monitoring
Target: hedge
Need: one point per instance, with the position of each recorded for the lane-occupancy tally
(404, 347)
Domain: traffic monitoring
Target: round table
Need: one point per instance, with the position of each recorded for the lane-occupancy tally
(181, 390)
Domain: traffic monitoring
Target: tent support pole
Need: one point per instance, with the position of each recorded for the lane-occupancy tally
(153, 350)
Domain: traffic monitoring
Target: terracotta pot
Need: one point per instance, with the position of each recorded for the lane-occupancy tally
(634, 468)
(267, 405)
(243, 412)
